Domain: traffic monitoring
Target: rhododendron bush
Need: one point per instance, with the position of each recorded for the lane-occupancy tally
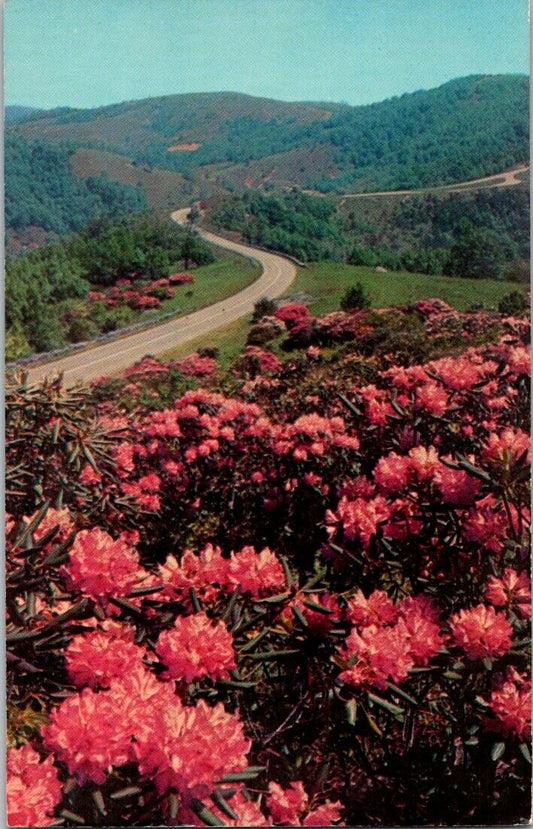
(295, 593)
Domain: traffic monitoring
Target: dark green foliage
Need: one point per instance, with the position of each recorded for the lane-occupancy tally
(478, 254)
(303, 226)
(513, 303)
(41, 189)
(433, 233)
(264, 307)
(355, 298)
(46, 289)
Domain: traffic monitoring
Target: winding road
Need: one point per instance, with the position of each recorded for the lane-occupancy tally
(508, 179)
(117, 355)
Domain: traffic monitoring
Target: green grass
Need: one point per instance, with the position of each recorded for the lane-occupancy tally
(230, 340)
(327, 282)
(225, 277)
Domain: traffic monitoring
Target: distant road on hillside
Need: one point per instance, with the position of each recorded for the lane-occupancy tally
(119, 354)
(508, 179)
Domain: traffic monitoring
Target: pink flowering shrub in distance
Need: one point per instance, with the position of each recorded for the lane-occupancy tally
(294, 593)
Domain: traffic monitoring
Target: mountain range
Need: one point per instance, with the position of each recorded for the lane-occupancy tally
(466, 128)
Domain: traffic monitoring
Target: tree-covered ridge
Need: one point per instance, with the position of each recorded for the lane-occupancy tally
(466, 128)
(462, 130)
(471, 233)
(296, 223)
(41, 190)
(46, 290)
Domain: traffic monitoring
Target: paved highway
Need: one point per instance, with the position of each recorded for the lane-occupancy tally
(119, 354)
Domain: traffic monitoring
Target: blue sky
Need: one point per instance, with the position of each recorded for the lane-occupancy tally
(87, 53)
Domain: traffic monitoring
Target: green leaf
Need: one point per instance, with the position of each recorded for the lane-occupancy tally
(351, 711)
(68, 815)
(350, 406)
(289, 578)
(206, 814)
(497, 751)
(318, 607)
(384, 703)
(220, 801)
(262, 657)
(99, 802)
(128, 791)
(231, 604)
(250, 646)
(234, 683)
(32, 525)
(195, 600)
(242, 776)
(279, 597)
(373, 724)
(396, 690)
(523, 748)
(300, 617)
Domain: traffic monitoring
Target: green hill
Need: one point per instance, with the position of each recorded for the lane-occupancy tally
(465, 129)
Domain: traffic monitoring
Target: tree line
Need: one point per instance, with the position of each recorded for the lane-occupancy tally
(46, 289)
(482, 234)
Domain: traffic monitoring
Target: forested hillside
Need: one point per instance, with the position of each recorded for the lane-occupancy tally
(42, 191)
(473, 233)
(466, 128)
(46, 290)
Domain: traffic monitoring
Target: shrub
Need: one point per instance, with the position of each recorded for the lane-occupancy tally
(355, 298)
(264, 307)
(513, 303)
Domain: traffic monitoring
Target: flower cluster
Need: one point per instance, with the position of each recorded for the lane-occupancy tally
(33, 788)
(221, 585)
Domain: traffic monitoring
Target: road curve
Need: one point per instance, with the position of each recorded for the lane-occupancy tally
(117, 355)
(506, 179)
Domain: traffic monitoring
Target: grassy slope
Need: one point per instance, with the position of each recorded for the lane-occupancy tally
(326, 282)
(230, 340)
(228, 275)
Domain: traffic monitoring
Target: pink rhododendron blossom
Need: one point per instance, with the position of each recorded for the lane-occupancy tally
(291, 807)
(481, 632)
(487, 523)
(423, 463)
(195, 648)
(33, 789)
(90, 735)
(286, 805)
(256, 573)
(102, 567)
(95, 658)
(378, 609)
(359, 518)
(381, 655)
(388, 639)
(89, 475)
(199, 745)
(457, 487)
(513, 590)
(140, 719)
(196, 366)
(431, 398)
(203, 572)
(507, 447)
(510, 705)
(392, 472)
